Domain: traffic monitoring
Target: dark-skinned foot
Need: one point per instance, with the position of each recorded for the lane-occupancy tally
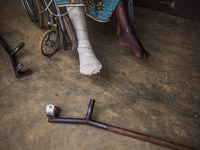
(130, 41)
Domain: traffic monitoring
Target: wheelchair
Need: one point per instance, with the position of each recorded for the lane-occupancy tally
(50, 40)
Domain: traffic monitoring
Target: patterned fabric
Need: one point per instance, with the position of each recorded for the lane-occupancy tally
(100, 10)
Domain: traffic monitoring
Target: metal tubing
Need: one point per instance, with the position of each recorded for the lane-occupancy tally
(77, 120)
(17, 48)
(16, 66)
(66, 40)
(86, 120)
(69, 27)
(90, 109)
(98, 124)
(60, 18)
(110, 128)
(67, 120)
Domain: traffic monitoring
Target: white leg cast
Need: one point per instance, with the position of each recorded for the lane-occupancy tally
(89, 64)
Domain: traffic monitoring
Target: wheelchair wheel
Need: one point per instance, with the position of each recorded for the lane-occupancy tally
(41, 12)
(49, 43)
(70, 32)
(31, 7)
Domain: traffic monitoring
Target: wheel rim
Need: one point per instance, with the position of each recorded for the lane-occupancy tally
(49, 43)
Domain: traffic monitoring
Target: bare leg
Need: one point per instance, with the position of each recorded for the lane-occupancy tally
(127, 36)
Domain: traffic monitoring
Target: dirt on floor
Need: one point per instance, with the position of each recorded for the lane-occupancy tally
(158, 96)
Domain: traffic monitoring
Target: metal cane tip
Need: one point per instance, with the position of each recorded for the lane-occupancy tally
(52, 110)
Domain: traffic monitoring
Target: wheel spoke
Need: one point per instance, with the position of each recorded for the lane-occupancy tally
(49, 43)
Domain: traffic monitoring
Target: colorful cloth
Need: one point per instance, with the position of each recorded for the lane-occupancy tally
(100, 10)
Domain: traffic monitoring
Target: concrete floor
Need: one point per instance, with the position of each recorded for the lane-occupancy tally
(157, 96)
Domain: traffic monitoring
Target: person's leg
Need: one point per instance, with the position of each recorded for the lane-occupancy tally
(127, 36)
(89, 64)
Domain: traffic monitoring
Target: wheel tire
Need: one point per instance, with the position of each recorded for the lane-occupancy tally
(32, 11)
(48, 43)
(41, 13)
